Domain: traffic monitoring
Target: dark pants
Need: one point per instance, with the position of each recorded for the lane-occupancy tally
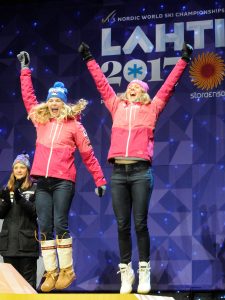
(53, 201)
(26, 266)
(131, 187)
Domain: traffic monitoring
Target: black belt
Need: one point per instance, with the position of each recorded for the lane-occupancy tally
(139, 165)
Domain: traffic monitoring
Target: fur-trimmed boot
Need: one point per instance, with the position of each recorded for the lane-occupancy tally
(66, 274)
(48, 249)
(144, 285)
(127, 278)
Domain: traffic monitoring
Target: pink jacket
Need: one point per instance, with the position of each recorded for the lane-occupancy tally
(56, 143)
(134, 123)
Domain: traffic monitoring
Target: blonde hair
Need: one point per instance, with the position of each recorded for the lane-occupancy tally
(40, 113)
(26, 184)
(144, 99)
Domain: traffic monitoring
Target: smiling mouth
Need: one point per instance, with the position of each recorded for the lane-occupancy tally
(54, 110)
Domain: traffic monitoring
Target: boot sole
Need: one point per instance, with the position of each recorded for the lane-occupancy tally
(133, 280)
(47, 291)
(66, 286)
(143, 292)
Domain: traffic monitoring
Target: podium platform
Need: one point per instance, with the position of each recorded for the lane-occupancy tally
(82, 297)
(14, 287)
(11, 282)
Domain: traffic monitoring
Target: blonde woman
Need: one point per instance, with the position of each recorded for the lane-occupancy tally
(59, 134)
(134, 117)
(18, 245)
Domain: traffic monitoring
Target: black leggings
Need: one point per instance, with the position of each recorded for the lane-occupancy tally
(131, 187)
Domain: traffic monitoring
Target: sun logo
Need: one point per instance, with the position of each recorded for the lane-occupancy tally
(207, 71)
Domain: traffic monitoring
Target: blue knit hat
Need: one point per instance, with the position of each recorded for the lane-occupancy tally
(22, 159)
(58, 91)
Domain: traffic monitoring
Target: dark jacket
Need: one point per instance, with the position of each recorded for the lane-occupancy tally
(17, 237)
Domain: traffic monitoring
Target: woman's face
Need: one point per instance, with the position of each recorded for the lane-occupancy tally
(19, 170)
(134, 92)
(55, 105)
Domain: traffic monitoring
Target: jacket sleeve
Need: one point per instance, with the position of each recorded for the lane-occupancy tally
(27, 90)
(87, 154)
(167, 89)
(28, 205)
(107, 93)
(5, 206)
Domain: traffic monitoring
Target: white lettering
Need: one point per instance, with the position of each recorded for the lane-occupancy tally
(140, 38)
(219, 33)
(213, 95)
(199, 28)
(177, 37)
(107, 49)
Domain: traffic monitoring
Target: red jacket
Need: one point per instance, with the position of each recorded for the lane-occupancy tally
(134, 123)
(57, 141)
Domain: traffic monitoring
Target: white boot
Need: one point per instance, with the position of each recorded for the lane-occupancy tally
(127, 278)
(48, 249)
(144, 285)
(65, 256)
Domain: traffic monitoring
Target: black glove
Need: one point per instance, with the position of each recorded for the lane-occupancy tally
(24, 59)
(85, 52)
(100, 191)
(5, 195)
(5, 202)
(18, 183)
(186, 52)
(17, 186)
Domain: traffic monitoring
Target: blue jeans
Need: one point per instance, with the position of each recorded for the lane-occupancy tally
(53, 201)
(131, 187)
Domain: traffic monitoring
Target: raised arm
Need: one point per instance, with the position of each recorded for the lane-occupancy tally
(167, 89)
(27, 89)
(107, 93)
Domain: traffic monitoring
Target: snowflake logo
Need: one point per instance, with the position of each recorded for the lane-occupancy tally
(135, 70)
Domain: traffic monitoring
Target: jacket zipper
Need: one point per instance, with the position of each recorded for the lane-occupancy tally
(50, 155)
(129, 131)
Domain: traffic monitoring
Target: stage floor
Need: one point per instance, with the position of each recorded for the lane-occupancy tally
(193, 295)
(13, 286)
